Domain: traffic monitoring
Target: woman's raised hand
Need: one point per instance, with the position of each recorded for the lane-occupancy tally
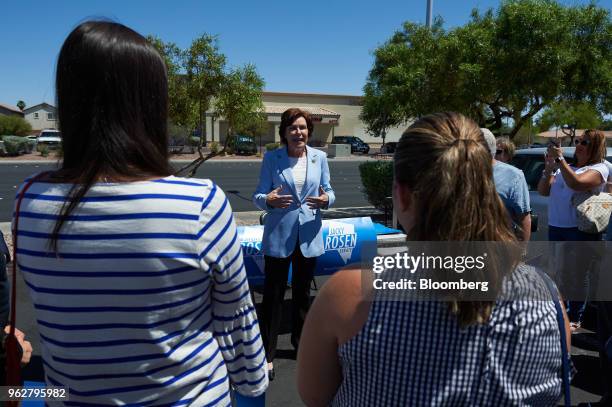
(318, 201)
(278, 201)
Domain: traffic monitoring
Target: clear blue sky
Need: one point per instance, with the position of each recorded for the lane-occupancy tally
(320, 47)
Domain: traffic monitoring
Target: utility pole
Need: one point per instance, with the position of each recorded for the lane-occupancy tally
(429, 12)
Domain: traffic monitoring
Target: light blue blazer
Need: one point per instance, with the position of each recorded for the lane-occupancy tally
(285, 227)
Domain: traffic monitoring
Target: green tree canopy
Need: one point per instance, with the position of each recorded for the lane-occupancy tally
(197, 77)
(502, 65)
(204, 66)
(239, 100)
(181, 109)
(21, 105)
(579, 115)
(14, 125)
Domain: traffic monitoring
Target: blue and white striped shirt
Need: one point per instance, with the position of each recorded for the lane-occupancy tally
(146, 302)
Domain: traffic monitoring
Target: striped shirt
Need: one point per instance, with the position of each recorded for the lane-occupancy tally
(146, 302)
(414, 353)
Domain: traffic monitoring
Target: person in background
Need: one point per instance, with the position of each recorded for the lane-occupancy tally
(560, 181)
(604, 316)
(26, 347)
(505, 150)
(5, 258)
(512, 188)
(294, 185)
(136, 276)
(608, 188)
(360, 350)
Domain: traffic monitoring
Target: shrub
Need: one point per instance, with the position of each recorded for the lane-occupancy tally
(377, 180)
(15, 145)
(272, 146)
(14, 125)
(194, 141)
(214, 147)
(31, 145)
(43, 150)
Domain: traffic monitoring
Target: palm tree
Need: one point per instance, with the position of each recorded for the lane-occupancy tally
(21, 105)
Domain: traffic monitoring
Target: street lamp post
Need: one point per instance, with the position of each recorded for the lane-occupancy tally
(429, 12)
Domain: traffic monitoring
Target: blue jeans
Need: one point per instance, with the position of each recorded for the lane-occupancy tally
(572, 276)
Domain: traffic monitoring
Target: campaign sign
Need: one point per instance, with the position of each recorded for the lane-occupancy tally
(346, 241)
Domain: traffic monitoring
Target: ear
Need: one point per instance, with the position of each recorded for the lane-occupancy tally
(404, 197)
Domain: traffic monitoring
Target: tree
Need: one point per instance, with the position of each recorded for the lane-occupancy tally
(239, 101)
(21, 105)
(204, 66)
(582, 115)
(196, 78)
(570, 116)
(496, 67)
(181, 109)
(257, 127)
(14, 125)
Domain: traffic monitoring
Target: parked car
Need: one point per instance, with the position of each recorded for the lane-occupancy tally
(388, 148)
(50, 138)
(357, 144)
(531, 162)
(245, 145)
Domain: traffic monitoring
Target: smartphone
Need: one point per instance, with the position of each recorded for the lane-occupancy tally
(555, 142)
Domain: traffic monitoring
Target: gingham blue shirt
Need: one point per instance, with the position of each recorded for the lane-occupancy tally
(414, 353)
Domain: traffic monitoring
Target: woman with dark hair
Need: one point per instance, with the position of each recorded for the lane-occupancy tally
(429, 349)
(136, 276)
(560, 181)
(293, 188)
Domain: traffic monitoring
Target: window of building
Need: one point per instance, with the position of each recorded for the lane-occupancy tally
(36, 115)
(50, 116)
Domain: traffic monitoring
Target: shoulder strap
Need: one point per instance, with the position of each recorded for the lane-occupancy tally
(13, 350)
(561, 322)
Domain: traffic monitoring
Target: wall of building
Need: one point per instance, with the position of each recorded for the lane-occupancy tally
(40, 120)
(349, 124)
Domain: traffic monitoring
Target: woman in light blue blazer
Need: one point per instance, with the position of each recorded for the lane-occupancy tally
(293, 188)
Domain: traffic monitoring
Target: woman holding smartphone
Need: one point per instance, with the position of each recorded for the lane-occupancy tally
(560, 181)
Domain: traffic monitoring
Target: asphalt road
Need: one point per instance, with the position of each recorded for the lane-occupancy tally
(237, 179)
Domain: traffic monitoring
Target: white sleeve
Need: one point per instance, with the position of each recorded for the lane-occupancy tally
(234, 318)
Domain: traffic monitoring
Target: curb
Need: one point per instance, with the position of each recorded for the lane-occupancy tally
(183, 161)
(394, 240)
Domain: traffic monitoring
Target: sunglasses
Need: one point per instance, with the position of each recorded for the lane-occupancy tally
(498, 152)
(582, 142)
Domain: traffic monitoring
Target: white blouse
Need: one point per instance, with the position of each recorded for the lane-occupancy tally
(298, 170)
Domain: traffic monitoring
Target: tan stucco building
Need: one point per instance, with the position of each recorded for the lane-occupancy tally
(42, 116)
(333, 115)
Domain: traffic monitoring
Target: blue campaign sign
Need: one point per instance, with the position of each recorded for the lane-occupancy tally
(346, 241)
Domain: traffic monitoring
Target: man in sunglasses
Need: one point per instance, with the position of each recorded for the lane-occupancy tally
(512, 189)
